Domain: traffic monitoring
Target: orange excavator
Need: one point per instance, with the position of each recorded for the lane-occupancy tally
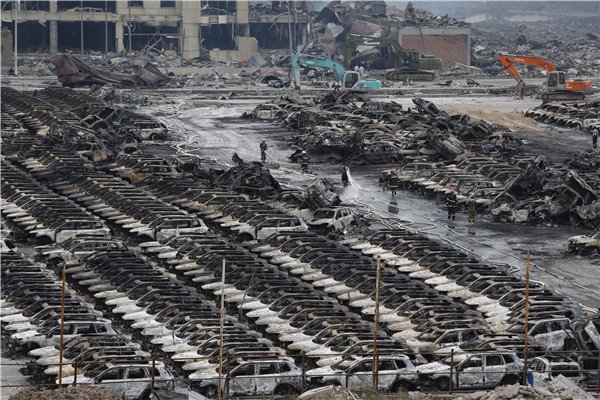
(558, 87)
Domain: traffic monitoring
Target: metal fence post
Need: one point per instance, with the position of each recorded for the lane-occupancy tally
(153, 367)
(451, 371)
(75, 375)
(302, 382)
(227, 376)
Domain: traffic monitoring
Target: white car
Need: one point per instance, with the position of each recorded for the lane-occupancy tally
(260, 377)
(71, 228)
(336, 218)
(131, 380)
(269, 227)
(395, 373)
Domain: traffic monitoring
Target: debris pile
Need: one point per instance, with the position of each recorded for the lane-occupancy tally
(249, 177)
(580, 115)
(569, 44)
(334, 128)
(518, 392)
(89, 126)
(72, 72)
(70, 393)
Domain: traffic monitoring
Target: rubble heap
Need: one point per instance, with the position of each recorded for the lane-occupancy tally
(93, 128)
(568, 43)
(580, 115)
(518, 392)
(73, 72)
(334, 128)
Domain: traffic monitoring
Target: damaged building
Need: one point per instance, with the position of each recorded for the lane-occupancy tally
(230, 30)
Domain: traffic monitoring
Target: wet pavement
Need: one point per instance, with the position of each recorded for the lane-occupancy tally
(217, 132)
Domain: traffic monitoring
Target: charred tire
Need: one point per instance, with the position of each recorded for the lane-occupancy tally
(441, 384)
(509, 380)
(285, 389)
(146, 394)
(401, 386)
(244, 237)
(210, 391)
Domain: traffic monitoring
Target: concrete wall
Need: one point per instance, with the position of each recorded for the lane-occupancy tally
(7, 51)
(450, 44)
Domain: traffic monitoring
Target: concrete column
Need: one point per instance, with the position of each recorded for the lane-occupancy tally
(189, 29)
(53, 6)
(119, 46)
(53, 27)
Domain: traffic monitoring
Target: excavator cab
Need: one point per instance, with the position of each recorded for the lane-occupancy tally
(350, 78)
(556, 80)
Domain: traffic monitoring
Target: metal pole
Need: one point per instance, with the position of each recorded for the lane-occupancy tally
(451, 371)
(129, 24)
(303, 382)
(376, 327)
(153, 367)
(105, 26)
(219, 393)
(81, 24)
(62, 322)
(289, 4)
(16, 6)
(526, 336)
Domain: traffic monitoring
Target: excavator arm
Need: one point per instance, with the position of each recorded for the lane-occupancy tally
(313, 61)
(508, 61)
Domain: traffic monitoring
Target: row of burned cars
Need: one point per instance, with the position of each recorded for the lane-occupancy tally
(149, 259)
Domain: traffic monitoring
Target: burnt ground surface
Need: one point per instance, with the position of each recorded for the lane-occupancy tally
(216, 131)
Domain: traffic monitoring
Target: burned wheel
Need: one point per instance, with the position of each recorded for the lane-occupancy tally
(509, 380)
(441, 384)
(210, 391)
(285, 390)
(401, 386)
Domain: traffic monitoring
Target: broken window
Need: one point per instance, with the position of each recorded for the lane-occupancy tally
(493, 360)
(136, 3)
(387, 365)
(136, 373)
(473, 362)
(267, 369)
(244, 370)
(165, 4)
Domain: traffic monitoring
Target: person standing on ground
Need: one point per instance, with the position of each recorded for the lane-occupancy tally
(344, 175)
(304, 160)
(452, 203)
(263, 150)
(394, 182)
(595, 138)
(472, 211)
(361, 71)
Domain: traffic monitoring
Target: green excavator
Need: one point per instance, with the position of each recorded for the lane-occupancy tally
(406, 64)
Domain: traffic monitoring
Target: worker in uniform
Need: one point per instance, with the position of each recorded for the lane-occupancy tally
(263, 150)
(304, 160)
(595, 138)
(452, 203)
(361, 71)
(394, 182)
(472, 211)
(344, 175)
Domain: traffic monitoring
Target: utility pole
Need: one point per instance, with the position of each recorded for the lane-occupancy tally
(375, 365)
(526, 336)
(16, 7)
(222, 322)
(129, 24)
(289, 4)
(62, 322)
(105, 26)
(81, 24)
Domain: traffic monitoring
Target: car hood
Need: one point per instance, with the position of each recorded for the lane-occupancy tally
(433, 367)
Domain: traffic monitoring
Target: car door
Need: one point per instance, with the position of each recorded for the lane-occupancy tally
(387, 371)
(470, 373)
(243, 380)
(268, 378)
(494, 370)
(138, 380)
(360, 375)
(113, 379)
